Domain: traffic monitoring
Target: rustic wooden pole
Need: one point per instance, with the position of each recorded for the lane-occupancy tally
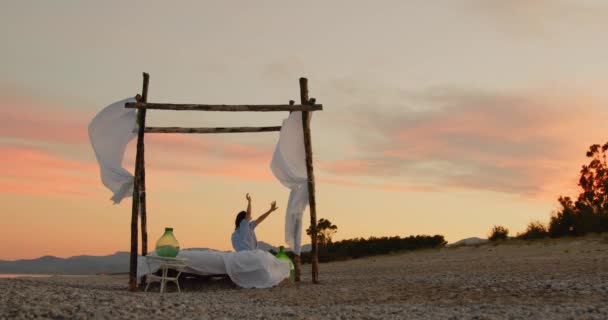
(142, 167)
(141, 114)
(225, 107)
(133, 256)
(311, 179)
(297, 266)
(134, 216)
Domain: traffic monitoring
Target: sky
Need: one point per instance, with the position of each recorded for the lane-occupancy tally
(440, 117)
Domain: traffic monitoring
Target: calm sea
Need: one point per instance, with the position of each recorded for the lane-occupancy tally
(19, 275)
(35, 275)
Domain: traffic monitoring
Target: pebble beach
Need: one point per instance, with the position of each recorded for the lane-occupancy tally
(545, 279)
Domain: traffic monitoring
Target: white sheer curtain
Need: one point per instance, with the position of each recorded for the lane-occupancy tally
(110, 132)
(289, 167)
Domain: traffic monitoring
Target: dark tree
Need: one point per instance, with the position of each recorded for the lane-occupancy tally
(594, 177)
(589, 213)
(325, 230)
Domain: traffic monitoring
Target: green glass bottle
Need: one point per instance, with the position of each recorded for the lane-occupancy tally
(167, 245)
(283, 256)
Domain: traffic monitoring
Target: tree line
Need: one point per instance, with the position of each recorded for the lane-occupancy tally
(329, 250)
(588, 213)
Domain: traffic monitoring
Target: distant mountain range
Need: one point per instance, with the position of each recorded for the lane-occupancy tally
(469, 242)
(116, 263)
(81, 265)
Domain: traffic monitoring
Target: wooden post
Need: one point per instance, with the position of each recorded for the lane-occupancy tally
(134, 215)
(142, 167)
(137, 199)
(297, 266)
(311, 179)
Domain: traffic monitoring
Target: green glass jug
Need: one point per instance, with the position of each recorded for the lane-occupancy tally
(283, 256)
(167, 245)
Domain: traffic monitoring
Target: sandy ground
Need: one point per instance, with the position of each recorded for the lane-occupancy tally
(549, 279)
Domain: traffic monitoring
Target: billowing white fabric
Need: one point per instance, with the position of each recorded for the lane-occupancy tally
(255, 268)
(248, 269)
(110, 132)
(289, 166)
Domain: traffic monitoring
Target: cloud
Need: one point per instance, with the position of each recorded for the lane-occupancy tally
(548, 19)
(197, 145)
(283, 69)
(35, 171)
(47, 153)
(377, 186)
(30, 119)
(183, 154)
(51, 124)
(522, 143)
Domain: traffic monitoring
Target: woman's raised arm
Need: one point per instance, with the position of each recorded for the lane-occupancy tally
(273, 207)
(248, 197)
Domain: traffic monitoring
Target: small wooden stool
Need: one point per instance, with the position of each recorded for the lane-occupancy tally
(166, 263)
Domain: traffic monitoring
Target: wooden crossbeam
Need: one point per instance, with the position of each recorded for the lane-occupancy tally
(223, 107)
(210, 130)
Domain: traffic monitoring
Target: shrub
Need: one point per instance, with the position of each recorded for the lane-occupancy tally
(535, 230)
(562, 222)
(498, 233)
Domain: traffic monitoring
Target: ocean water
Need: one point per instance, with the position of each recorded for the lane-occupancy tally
(36, 275)
(21, 275)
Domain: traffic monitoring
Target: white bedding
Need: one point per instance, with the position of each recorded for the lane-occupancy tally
(248, 269)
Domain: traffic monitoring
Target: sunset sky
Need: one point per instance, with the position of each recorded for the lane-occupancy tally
(440, 117)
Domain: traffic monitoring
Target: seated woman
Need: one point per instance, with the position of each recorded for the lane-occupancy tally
(243, 237)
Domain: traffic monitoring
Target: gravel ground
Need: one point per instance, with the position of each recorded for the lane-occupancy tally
(549, 279)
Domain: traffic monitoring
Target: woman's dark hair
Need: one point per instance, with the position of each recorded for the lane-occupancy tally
(239, 217)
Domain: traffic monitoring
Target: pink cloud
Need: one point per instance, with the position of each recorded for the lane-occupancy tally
(49, 123)
(25, 160)
(530, 144)
(40, 121)
(199, 145)
(385, 187)
(34, 171)
(348, 167)
(25, 118)
(37, 172)
(242, 169)
(501, 143)
(197, 155)
(46, 188)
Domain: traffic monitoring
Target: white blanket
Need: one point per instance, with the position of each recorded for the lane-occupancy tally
(289, 167)
(248, 269)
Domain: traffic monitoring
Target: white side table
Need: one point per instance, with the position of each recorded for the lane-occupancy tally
(165, 264)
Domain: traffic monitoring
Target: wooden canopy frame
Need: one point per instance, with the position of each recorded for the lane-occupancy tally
(139, 184)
